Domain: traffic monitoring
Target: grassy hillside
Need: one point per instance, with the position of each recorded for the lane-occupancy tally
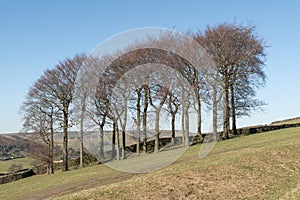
(287, 121)
(13, 145)
(260, 166)
(25, 162)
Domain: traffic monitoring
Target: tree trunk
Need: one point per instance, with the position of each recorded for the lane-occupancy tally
(118, 141)
(233, 115)
(101, 143)
(173, 142)
(199, 116)
(146, 104)
(156, 146)
(157, 113)
(226, 109)
(215, 112)
(197, 93)
(81, 164)
(124, 129)
(81, 134)
(187, 128)
(51, 144)
(101, 146)
(51, 154)
(138, 121)
(113, 141)
(183, 125)
(123, 144)
(65, 138)
(49, 159)
(145, 131)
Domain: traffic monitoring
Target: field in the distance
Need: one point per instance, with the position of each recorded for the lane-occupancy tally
(25, 162)
(260, 166)
(287, 121)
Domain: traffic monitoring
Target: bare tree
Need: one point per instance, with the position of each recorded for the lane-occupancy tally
(145, 111)
(238, 54)
(245, 80)
(172, 108)
(41, 116)
(80, 109)
(185, 101)
(159, 93)
(138, 118)
(244, 100)
(136, 99)
(213, 95)
(119, 106)
(60, 83)
(99, 112)
(40, 152)
(80, 115)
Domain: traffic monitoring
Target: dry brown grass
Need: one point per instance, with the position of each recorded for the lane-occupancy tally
(262, 166)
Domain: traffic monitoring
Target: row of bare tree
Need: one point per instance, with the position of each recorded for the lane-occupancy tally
(129, 87)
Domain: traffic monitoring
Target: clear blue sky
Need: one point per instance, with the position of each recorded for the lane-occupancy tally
(34, 35)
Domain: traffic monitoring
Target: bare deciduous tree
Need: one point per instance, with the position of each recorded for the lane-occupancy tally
(42, 117)
(58, 84)
(173, 107)
(238, 54)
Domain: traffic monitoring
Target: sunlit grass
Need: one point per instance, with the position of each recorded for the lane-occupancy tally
(292, 121)
(259, 166)
(38, 184)
(25, 162)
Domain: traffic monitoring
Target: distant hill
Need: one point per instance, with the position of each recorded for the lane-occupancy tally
(287, 121)
(13, 145)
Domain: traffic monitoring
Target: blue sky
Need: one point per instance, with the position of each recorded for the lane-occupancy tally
(35, 35)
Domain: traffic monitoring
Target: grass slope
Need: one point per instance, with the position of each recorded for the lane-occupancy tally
(260, 166)
(287, 121)
(25, 162)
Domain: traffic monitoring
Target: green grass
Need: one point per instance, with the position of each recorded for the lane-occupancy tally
(38, 184)
(26, 162)
(259, 166)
